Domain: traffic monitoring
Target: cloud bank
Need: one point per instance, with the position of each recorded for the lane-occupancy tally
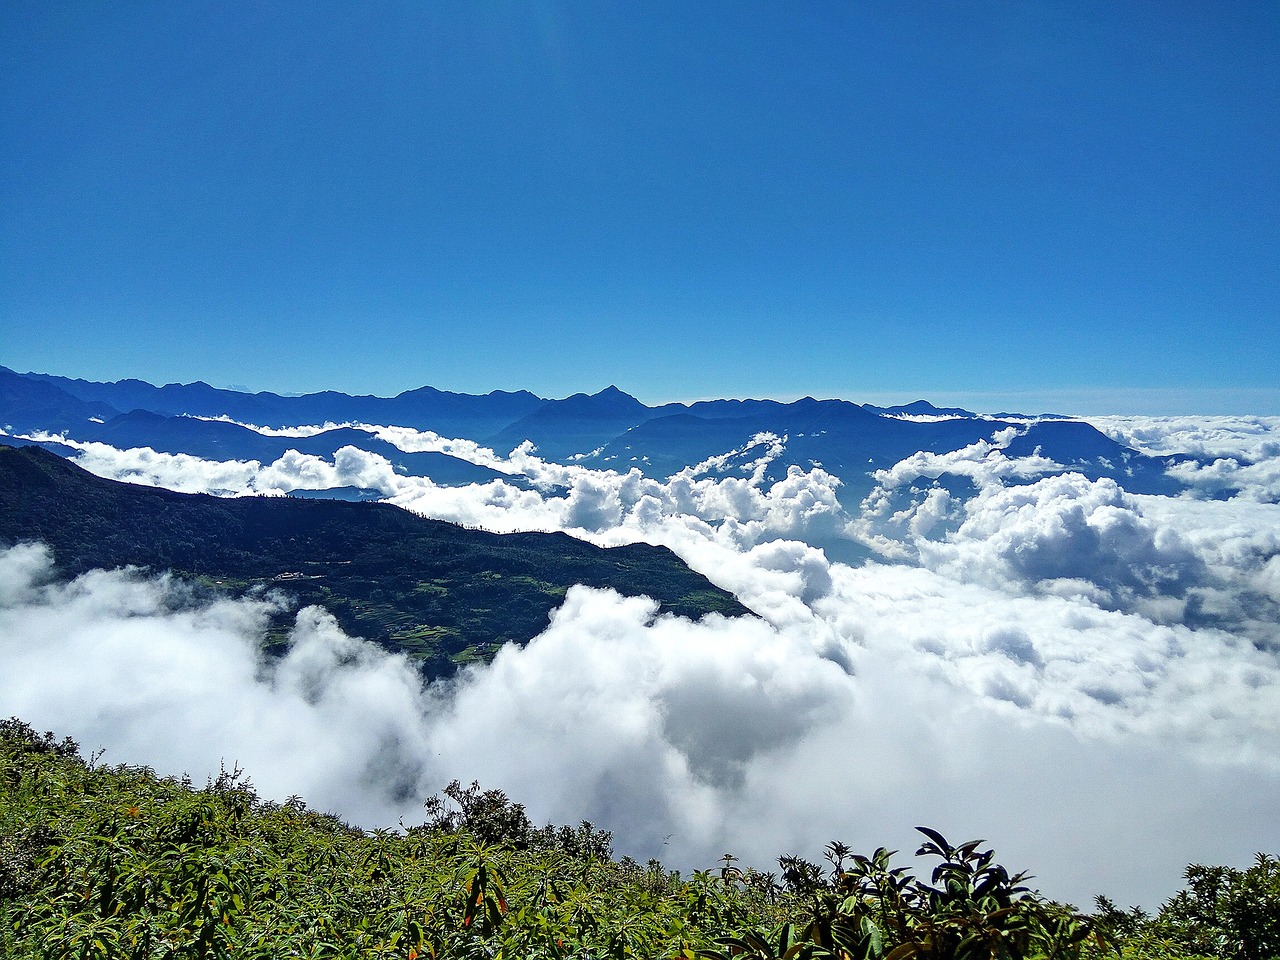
(1233, 456)
(1074, 672)
(692, 739)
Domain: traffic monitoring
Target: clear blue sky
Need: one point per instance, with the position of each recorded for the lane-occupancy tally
(711, 199)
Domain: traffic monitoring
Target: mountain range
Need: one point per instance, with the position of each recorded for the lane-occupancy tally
(605, 430)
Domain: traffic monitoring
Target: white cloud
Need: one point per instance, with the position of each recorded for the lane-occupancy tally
(1170, 560)
(1233, 455)
(724, 735)
(1071, 670)
(1250, 438)
(1065, 533)
(1228, 476)
(142, 465)
(907, 506)
(350, 466)
(134, 665)
(922, 417)
(299, 431)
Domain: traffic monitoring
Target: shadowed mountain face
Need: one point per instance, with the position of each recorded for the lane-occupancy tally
(605, 430)
(440, 592)
(29, 404)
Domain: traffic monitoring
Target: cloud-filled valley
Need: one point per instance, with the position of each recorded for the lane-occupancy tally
(979, 637)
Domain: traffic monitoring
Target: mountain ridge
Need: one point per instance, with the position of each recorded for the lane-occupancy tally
(609, 429)
(440, 592)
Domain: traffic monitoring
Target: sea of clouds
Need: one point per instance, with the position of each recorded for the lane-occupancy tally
(1087, 678)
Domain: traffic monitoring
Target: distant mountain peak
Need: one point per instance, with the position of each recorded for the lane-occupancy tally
(612, 392)
(609, 399)
(921, 408)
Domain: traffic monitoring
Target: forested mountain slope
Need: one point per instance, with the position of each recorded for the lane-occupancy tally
(441, 592)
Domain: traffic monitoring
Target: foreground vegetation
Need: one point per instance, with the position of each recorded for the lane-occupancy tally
(106, 862)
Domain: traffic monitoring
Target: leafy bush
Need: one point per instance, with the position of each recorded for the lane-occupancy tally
(1223, 913)
(117, 862)
(865, 909)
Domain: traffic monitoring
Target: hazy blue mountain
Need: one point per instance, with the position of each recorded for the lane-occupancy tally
(576, 424)
(425, 408)
(609, 429)
(666, 445)
(837, 434)
(730, 409)
(1027, 416)
(921, 408)
(28, 405)
(852, 442)
(1083, 449)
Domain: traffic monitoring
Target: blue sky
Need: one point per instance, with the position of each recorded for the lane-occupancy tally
(1067, 206)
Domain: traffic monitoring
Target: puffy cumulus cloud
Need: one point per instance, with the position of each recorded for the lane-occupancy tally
(1018, 524)
(744, 507)
(908, 505)
(649, 724)
(23, 569)
(1229, 456)
(1238, 542)
(1066, 534)
(737, 736)
(971, 515)
(1246, 438)
(1227, 477)
(756, 454)
(407, 439)
(181, 472)
(426, 441)
(689, 739)
(974, 516)
(742, 511)
(983, 462)
(1103, 674)
(658, 721)
(922, 417)
(350, 466)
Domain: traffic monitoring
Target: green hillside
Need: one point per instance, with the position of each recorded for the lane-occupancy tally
(100, 863)
(442, 593)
